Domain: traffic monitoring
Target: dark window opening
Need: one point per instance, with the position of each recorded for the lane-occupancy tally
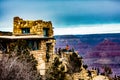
(48, 51)
(45, 32)
(3, 47)
(25, 30)
(33, 45)
(48, 47)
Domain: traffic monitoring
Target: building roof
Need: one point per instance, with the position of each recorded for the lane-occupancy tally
(5, 33)
(26, 37)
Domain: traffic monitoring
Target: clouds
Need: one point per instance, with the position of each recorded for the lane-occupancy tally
(90, 12)
(88, 29)
(62, 13)
(87, 19)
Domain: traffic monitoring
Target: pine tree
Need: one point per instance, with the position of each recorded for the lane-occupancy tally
(75, 63)
(55, 71)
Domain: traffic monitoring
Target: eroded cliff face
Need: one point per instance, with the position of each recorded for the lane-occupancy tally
(97, 49)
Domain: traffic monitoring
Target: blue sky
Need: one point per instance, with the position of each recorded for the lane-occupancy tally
(83, 16)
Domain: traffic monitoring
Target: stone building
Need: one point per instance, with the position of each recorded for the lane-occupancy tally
(38, 35)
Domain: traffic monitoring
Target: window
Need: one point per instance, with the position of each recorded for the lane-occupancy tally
(33, 45)
(25, 30)
(48, 47)
(45, 32)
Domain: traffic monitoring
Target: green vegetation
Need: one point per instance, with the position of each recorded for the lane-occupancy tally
(75, 63)
(20, 49)
(18, 64)
(55, 71)
(63, 69)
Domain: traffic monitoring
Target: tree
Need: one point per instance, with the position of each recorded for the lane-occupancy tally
(12, 68)
(85, 66)
(19, 64)
(55, 71)
(107, 70)
(22, 51)
(75, 63)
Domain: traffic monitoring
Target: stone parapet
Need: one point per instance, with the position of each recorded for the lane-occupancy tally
(36, 27)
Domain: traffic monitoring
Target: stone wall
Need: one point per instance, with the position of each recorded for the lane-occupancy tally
(40, 54)
(36, 27)
(5, 33)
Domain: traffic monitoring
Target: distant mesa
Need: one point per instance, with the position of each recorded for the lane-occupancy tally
(106, 48)
(90, 46)
(96, 49)
(73, 42)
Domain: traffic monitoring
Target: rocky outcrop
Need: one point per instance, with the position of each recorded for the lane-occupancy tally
(97, 49)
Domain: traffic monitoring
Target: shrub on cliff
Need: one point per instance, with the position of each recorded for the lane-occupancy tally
(18, 64)
(12, 68)
(55, 72)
